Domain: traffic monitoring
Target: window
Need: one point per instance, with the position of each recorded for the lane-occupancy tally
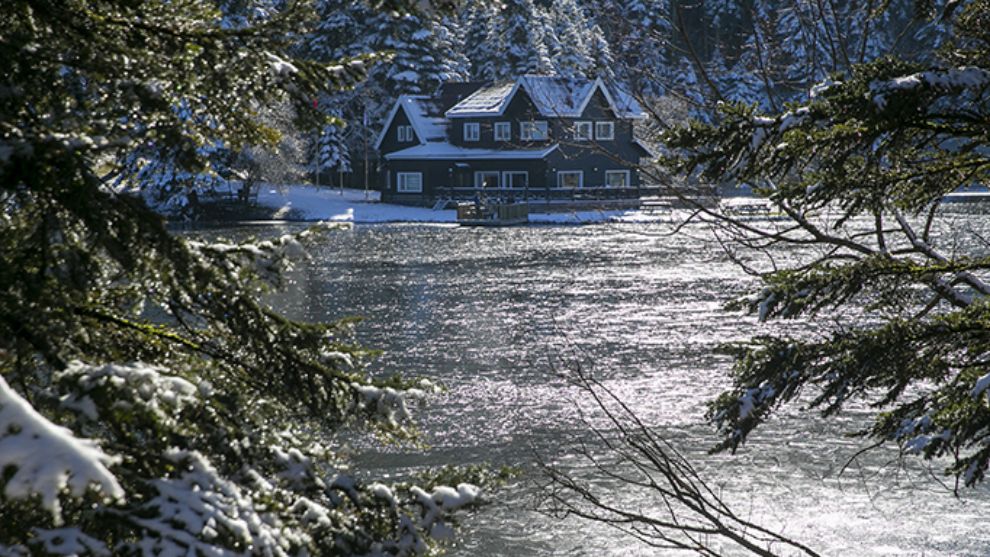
(604, 130)
(617, 178)
(582, 131)
(503, 131)
(472, 131)
(409, 182)
(486, 179)
(570, 179)
(533, 131)
(515, 179)
(405, 133)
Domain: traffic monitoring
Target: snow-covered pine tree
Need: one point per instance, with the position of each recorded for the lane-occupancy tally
(912, 132)
(332, 147)
(602, 62)
(523, 49)
(639, 33)
(450, 47)
(150, 402)
(482, 43)
(416, 67)
(566, 37)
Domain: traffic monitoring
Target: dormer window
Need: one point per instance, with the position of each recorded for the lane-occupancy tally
(533, 131)
(604, 130)
(503, 131)
(582, 131)
(472, 131)
(405, 134)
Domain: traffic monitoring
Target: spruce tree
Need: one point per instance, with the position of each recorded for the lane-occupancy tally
(523, 48)
(150, 402)
(566, 35)
(860, 169)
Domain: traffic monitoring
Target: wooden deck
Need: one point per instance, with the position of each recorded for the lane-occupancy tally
(492, 214)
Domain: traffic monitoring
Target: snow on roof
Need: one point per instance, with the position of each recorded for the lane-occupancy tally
(553, 97)
(424, 115)
(624, 102)
(446, 151)
(650, 151)
(426, 119)
(487, 101)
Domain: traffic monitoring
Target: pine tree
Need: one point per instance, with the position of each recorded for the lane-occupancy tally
(639, 32)
(150, 402)
(481, 38)
(566, 37)
(601, 60)
(860, 170)
(523, 48)
(450, 47)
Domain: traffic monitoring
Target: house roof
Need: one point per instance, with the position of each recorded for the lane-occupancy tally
(552, 96)
(487, 101)
(424, 114)
(446, 151)
(450, 93)
(649, 150)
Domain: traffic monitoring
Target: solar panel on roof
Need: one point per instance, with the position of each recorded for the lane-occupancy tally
(486, 99)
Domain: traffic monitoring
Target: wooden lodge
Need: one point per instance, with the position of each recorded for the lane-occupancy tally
(536, 139)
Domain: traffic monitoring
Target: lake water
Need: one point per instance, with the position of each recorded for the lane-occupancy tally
(490, 313)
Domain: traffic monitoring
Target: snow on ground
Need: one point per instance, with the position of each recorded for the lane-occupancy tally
(304, 202)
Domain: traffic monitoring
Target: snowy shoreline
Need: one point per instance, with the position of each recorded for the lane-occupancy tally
(305, 203)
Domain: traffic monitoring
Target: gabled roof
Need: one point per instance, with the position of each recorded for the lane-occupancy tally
(450, 93)
(552, 96)
(647, 149)
(446, 151)
(425, 116)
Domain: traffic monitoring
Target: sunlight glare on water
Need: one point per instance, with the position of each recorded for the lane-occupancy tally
(489, 312)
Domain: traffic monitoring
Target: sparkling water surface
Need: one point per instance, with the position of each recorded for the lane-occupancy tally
(493, 313)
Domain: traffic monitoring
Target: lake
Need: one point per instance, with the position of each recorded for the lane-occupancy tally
(492, 313)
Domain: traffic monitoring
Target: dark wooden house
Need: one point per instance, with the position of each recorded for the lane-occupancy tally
(536, 137)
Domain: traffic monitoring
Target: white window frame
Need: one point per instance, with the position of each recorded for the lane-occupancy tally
(405, 133)
(587, 135)
(508, 173)
(472, 131)
(526, 130)
(478, 181)
(562, 173)
(602, 136)
(623, 172)
(401, 182)
(503, 131)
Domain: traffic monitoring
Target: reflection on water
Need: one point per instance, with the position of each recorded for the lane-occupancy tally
(485, 312)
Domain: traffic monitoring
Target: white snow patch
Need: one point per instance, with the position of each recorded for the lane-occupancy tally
(350, 206)
(69, 541)
(48, 458)
(280, 66)
(954, 78)
(151, 386)
(754, 397)
(981, 385)
(382, 491)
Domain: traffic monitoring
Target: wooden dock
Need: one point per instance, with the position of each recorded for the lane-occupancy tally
(492, 214)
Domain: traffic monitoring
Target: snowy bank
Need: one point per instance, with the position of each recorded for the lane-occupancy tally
(304, 202)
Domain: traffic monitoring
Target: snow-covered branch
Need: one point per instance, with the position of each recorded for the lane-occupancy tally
(48, 458)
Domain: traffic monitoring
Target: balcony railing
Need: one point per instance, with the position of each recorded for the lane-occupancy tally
(550, 194)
